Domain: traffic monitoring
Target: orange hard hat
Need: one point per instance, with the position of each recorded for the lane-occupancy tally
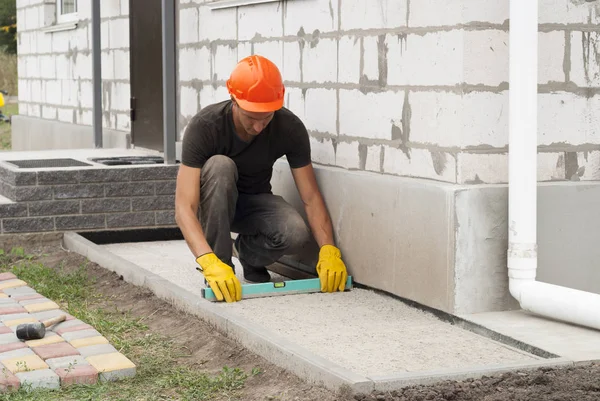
(256, 84)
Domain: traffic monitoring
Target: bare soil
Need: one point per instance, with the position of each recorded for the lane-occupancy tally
(211, 351)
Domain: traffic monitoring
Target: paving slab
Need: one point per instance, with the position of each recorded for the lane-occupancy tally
(574, 342)
(360, 338)
(54, 360)
(85, 374)
(42, 378)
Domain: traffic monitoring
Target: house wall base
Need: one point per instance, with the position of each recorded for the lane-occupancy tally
(444, 245)
(31, 133)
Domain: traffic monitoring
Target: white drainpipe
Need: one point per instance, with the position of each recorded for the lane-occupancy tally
(549, 300)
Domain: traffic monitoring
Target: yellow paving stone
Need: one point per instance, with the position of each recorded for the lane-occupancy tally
(24, 363)
(3, 295)
(110, 362)
(84, 342)
(12, 284)
(41, 307)
(45, 341)
(16, 322)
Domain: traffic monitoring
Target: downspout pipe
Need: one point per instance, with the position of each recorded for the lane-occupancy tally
(556, 302)
(97, 74)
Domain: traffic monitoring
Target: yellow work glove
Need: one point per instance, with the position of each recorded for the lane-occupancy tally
(331, 269)
(220, 278)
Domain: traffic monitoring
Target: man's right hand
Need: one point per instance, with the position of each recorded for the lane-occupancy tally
(220, 278)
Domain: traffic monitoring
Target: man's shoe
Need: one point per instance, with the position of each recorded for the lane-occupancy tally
(253, 274)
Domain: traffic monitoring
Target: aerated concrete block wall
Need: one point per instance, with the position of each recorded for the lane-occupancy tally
(55, 67)
(406, 87)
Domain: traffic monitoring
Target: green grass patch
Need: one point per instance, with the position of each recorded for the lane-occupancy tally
(10, 109)
(159, 375)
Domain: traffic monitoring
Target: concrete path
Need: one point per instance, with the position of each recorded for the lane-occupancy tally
(576, 343)
(367, 333)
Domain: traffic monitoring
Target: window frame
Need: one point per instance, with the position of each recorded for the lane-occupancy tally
(64, 18)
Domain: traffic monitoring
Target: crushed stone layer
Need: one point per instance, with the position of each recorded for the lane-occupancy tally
(60, 357)
(361, 330)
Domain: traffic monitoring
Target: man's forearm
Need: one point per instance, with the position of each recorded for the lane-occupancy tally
(320, 222)
(192, 232)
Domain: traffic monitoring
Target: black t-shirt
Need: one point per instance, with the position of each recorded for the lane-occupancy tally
(211, 132)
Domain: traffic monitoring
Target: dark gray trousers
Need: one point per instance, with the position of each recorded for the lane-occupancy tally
(267, 225)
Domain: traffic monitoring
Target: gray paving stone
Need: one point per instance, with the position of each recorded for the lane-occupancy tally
(8, 338)
(42, 378)
(92, 350)
(7, 301)
(4, 318)
(49, 314)
(116, 375)
(66, 362)
(74, 335)
(67, 324)
(19, 291)
(16, 353)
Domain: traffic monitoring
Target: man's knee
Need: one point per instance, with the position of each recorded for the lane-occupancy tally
(294, 232)
(219, 170)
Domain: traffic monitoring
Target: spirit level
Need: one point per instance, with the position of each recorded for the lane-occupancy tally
(277, 288)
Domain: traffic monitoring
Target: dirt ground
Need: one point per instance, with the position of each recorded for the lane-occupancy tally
(212, 351)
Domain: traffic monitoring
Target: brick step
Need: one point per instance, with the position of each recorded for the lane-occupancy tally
(84, 198)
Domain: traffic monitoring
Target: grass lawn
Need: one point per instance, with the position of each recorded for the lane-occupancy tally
(7, 110)
(160, 374)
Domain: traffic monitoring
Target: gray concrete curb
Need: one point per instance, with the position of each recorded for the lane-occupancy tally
(283, 353)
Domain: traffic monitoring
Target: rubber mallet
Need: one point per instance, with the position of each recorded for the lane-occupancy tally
(36, 331)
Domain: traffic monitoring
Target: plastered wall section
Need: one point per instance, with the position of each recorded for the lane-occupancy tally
(55, 68)
(405, 87)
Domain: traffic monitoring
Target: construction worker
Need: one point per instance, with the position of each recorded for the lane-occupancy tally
(223, 185)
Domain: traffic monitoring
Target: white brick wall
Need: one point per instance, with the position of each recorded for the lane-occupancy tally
(290, 69)
(322, 151)
(359, 14)
(569, 11)
(263, 20)
(485, 57)
(349, 56)
(422, 163)
(370, 115)
(347, 155)
(221, 26)
(585, 58)
(189, 101)
(476, 168)
(566, 117)
(188, 21)
(551, 57)
(316, 108)
(423, 12)
(224, 60)
(194, 64)
(428, 59)
(373, 162)
(319, 63)
(371, 58)
(321, 15)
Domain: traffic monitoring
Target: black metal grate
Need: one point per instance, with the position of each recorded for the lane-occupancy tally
(129, 160)
(44, 163)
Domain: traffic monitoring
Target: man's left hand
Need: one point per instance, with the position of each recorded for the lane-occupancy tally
(331, 269)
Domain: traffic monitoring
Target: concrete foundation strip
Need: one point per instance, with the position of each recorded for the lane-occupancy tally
(305, 364)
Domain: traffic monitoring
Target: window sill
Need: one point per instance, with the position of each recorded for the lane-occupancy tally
(235, 3)
(65, 26)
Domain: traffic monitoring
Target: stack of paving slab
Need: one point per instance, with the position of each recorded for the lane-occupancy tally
(71, 352)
